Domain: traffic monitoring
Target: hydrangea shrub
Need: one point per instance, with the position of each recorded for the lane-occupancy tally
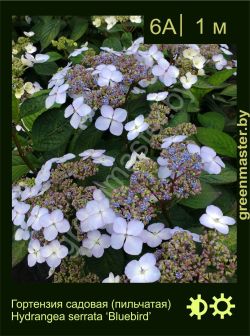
(123, 153)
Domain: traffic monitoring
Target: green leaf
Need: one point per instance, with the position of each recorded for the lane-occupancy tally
(53, 56)
(49, 32)
(19, 167)
(221, 142)
(202, 83)
(47, 69)
(193, 106)
(157, 86)
(220, 77)
(113, 43)
(230, 240)
(227, 200)
(23, 140)
(37, 29)
(204, 86)
(19, 251)
(199, 229)
(15, 108)
(57, 152)
(111, 144)
(227, 175)
(116, 28)
(179, 118)
(111, 261)
(137, 106)
(190, 101)
(212, 119)
(198, 93)
(180, 217)
(41, 93)
(202, 200)
(46, 18)
(51, 130)
(126, 39)
(230, 91)
(76, 59)
(113, 182)
(35, 104)
(29, 120)
(84, 139)
(79, 28)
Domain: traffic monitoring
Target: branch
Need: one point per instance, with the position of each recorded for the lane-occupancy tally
(20, 150)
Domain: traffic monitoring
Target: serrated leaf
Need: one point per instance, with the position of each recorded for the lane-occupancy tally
(116, 28)
(196, 229)
(157, 86)
(29, 120)
(35, 104)
(230, 240)
(113, 43)
(37, 29)
(179, 118)
(19, 251)
(221, 142)
(47, 69)
(113, 182)
(19, 167)
(57, 152)
(190, 102)
(212, 119)
(51, 130)
(53, 56)
(203, 84)
(126, 39)
(227, 175)
(193, 106)
(227, 200)
(180, 217)
(85, 139)
(49, 32)
(46, 18)
(137, 106)
(202, 200)
(79, 28)
(230, 91)
(220, 77)
(111, 261)
(77, 59)
(215, 81)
